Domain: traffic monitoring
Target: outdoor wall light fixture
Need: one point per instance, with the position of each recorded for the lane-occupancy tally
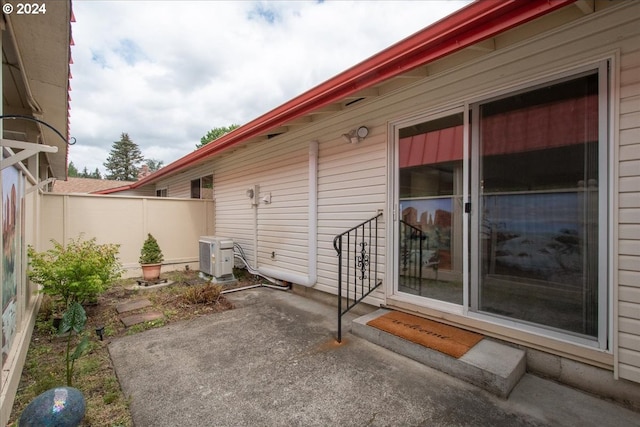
(356, 135)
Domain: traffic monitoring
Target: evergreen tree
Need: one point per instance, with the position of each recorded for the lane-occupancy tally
(124, 158)
(154, 164)
(72, 171)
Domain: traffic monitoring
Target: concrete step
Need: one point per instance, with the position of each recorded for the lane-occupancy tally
(490, 365)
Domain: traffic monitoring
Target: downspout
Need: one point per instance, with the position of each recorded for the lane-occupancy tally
(311, 278)
(254, 203)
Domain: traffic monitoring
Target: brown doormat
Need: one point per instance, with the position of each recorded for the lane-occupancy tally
(444, 338)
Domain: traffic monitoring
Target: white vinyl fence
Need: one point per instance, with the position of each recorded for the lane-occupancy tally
(177, 224)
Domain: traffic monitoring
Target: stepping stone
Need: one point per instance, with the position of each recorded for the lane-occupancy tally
(132, 305)
(141, 318)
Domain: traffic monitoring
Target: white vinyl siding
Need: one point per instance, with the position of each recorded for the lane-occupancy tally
(351, 190)
(139, 192)
(628, 354)
(180, 185)
(280, 169)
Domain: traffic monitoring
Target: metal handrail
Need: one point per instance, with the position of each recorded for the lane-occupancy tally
(363, 239)
(407, 247)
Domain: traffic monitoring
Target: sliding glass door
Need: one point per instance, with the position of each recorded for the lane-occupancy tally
(511, 222)
(537, 193)
(429, 231)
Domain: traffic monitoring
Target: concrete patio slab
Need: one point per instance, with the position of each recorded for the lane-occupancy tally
(274, 361)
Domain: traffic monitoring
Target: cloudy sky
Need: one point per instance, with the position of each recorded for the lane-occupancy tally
(166, 72)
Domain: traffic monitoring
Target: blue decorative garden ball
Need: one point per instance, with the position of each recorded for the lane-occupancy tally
(56, 407)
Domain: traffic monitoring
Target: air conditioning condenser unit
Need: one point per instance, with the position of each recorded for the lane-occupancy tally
(216, 258)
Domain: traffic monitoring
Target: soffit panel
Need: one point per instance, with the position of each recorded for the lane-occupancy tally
(43, 52)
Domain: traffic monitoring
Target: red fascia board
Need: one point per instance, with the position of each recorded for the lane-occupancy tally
(115, 190)
(469, 25)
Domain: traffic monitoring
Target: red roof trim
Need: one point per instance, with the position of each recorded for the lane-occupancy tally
(116, 189)
(476, 22)
(72, 19)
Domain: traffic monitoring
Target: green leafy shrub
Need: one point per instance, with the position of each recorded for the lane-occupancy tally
(72, 275)
(77, 272)
(150, 252)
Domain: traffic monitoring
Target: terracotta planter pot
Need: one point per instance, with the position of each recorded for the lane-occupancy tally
(150, 271)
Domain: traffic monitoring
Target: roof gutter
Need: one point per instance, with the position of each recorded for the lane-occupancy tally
(472, 24)
(116, 189)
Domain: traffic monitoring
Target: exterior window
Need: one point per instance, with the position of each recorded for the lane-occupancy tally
(538, 189)
(202, 188)
(162, 192)
(195, 188)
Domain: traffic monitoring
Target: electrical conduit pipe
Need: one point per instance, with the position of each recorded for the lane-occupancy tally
(311, 278)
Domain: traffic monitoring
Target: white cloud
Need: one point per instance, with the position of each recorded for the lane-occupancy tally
(166, 72)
